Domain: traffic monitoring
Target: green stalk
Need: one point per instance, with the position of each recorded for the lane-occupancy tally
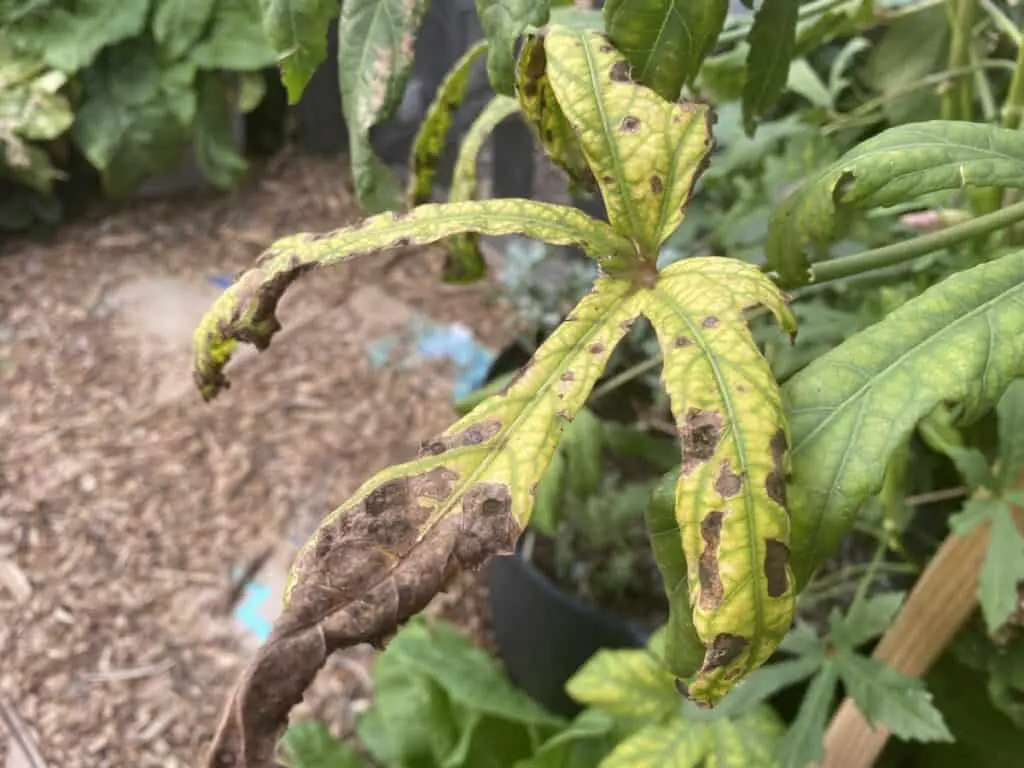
(957, 101)
(898, 253)
(1014, 104)
(1001, 21)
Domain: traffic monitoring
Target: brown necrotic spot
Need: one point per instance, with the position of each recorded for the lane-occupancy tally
(699, 437)
(394, 494)
(656, 186)
(596, 348)
(724, 650)
(529, 89)
(475, 434)
(707, 567)
(607, 179)
(710, 322)
(567, 376)
(776, 558)
(681, 341)
(728, 482)
(619, 72)
(629, 124)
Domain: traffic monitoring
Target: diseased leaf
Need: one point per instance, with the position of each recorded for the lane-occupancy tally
(236, 40)
(897, 165)
(1003, 567)
(772, 40)
(681, 650)
(503, 22)
(177, 24)
(626, 683)
(731, 493)
(297, 30)
(1011, 434)
(245, 311)
(545, 116)
(645, 152)
(310, 745)
(802, 745)
(666, 41)
(375, 52)
(432, 135)
(888, 698)
(465, 262)
(961, 341)
(675, 744)
(382, 555)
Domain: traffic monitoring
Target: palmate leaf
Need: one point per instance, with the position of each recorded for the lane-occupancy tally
(645, 152)
(731, 493)
(383, 554)
(433, 131)
(245, 311)
(897, 165)
(666, 41)
(465, 262)
(675, 744)
(375, 51)
(625, 683)
(961, 341)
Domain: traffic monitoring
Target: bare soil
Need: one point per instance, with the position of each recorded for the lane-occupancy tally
(128, 507)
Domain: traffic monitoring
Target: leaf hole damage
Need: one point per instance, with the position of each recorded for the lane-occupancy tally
(619, 72)
(656, 185)
(728, 483)
(629, 124)
(776, 558)
(711, 590)
(699, 437)
(775, 482)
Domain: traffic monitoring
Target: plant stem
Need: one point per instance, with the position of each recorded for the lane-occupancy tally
(898, 253)
(1002, 22)
(629, 374)
(957, 101)
(869, 577)
(1014, 103)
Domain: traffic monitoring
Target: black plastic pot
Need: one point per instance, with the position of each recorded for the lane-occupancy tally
(544, 634)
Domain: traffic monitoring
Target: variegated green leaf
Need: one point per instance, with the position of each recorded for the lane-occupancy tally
(544, 114)
(731, 493)
(465, 262)
(381, 556)
(772, 41)
(245, 311)
(675, 744)
(627, 683)
(645, 152)
(960, 342)
(433, 132)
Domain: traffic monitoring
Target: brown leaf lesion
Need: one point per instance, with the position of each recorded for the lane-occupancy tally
(370, 567)
(708, 575)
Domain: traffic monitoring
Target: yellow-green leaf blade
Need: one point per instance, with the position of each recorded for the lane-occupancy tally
(644, 151)
(433, 131)
(545, 116)
(675, 744)
(245, 311)
(625, 683)
(730, 497)
(961, 341)
(465, 262)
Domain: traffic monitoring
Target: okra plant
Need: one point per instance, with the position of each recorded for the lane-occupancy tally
(771, 477)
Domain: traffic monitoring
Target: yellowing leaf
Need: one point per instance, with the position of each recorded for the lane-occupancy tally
(382, 556)
(245, 311)
(465, 262)
(731, 493)
(645, 152)
(433, 131)
(675, 744)
(545, 116)
(628, 683)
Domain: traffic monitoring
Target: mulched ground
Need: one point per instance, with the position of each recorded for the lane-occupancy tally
(126, 503)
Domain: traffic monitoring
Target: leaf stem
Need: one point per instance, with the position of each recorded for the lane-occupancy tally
(907, 250)
(958, 99)
(1014, 104)
(1002, 22)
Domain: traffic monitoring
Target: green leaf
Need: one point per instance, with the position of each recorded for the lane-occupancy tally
(465, 262)
(1011, 434)
(629, 442)
(731, 493)
(941, 434)
(581, 745)
(375, 52)
(297, 30)
(665, 41)
(236, 40)
(961, 341)
(582, 445)
(646, 152)
(550, 496)
(802, 745)
(772, 40)
(310, 745)
(675, 744)
(432, 135)
(867, 619)
(764, 682)
(897, 165)
(70, 40)
(625, 683)
(245, 311)
(135, 115)
(177, 24)
(503, 22)
(898, 702)
(215, 144)
(682, 650)
(1003, 567)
